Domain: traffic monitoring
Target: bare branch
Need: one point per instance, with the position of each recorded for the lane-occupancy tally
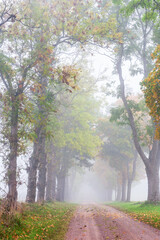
(4, 81)
(12, 17)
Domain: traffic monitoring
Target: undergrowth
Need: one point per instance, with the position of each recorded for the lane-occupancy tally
(34, 221)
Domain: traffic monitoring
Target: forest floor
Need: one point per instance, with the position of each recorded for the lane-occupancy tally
(100, 222)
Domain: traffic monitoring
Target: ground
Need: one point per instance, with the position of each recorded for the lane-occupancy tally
(100, 222)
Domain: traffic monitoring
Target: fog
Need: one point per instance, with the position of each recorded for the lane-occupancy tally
(77, 120)
(89, 189)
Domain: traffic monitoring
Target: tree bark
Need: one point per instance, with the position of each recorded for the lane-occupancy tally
(32, 175)
(51, 182)
(62, 173)
(52, 165)
(60, 187)
(37, 162)
(12, 168)
(42, 167)
(44, 112)
(153, 179)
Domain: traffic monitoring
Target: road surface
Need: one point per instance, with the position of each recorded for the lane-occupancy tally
(99, 222)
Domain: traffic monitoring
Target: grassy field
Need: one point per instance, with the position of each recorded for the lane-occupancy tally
(48, 221)
(144, 212)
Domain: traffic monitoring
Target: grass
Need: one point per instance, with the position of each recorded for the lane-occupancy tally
(144, 212)
(48, 221)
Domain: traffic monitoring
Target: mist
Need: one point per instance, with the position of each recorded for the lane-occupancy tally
(88, 188)
(79, 107)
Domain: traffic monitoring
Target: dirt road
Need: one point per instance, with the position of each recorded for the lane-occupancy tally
(99, 222)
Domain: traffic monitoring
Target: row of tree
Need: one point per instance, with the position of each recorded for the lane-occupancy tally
(35, 85)
(44, 103)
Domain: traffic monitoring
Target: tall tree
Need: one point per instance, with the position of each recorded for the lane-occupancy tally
(16, 72)
(138, 44)
(118, 150)
(152, 161)
(74, 141)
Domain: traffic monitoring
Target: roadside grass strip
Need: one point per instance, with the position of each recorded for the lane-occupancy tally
(143, 212)
(35, 221)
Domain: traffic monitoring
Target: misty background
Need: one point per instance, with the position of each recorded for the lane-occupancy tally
(79, 101)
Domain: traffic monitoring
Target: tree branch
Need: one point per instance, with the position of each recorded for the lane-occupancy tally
(130, 114)
(12, 17)
(4, 81)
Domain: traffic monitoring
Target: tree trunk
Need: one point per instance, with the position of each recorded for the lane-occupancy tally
(51, 182)
(12, 168)
(52, 165)
(62, 173)
(119, 192)
(152, 171)
(66, 189)
(44, 113)
(37, 162)
(124, 186)
(60, 187)
(38, 159)
(131, 176)
(42, 168)
(129, 187)
(32, 175)
(53, 192)
(71, 183)
(153, 183)
(119, 188)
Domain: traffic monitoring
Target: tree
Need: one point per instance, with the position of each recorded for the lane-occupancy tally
(18, 71)
(78, 24)
(62, 29)
(151, 89)
(133, 44)
(152, 9)
(107, 175)
(118, 150)
(151, 13)
(15, 72)
(38, 160)
(151, 162)
(75, 142)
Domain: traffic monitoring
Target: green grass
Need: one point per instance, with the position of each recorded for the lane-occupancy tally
(48, 221)
(144, 212)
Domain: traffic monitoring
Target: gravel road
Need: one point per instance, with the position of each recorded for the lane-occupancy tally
(99, 222)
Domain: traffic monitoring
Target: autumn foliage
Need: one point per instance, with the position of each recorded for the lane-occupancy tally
(151, 89)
